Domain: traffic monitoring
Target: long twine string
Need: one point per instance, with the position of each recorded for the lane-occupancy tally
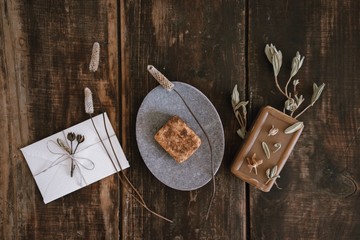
(211, 153)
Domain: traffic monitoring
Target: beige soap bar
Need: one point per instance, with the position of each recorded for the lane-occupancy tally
(178, 139)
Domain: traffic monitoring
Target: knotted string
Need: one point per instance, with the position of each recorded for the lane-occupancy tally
(79, 162)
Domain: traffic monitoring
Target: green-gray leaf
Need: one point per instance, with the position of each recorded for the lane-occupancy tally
(293, 128)
(235, 99)
(266, 149)
(317, 90)
(273, 172)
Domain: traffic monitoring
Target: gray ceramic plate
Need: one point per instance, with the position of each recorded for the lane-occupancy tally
(156, 109)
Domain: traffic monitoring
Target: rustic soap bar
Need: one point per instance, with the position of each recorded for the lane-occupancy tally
(178, 139)
(269, 144)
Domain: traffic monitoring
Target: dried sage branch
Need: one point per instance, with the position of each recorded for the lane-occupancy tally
(271, 174)
(239, 108)
(294, 100)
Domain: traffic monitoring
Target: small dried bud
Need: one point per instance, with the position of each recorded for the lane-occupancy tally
(235, 96)
(296, 64)
(80, 138)
(95, 56)
(275, 57)
(317, 90)
(291, 105)
(273, 131)
(71, 136)
(89, 106)
(296, 82)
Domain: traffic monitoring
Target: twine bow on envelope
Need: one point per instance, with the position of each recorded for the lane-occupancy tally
(50, 164)
(65, 156)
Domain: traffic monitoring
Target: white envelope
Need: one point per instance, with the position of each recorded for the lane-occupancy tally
(51, 165)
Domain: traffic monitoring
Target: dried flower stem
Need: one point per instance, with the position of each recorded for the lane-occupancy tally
(169, 86)
(211, 154)
(141, 200)
(278, 86)
(90, 109)
(286, 87)
(293, 102)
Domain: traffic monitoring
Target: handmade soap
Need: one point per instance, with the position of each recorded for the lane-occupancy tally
(178, 139)
(267, 148)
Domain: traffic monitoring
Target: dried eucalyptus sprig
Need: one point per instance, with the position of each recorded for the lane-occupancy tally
(239, 108)
(293, 100)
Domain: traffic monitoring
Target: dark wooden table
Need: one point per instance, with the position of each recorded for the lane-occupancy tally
(45, 49)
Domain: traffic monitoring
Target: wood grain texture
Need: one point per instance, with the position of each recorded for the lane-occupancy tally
(45, 48)
(45, 51)
(196, 42)
(320, 195)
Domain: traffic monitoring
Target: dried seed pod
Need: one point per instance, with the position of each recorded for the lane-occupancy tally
(71, 136)
(89, 105)
(164, 82)
(80, 138)
(95, 56)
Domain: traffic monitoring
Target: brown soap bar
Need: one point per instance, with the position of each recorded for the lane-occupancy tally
(178, 139)
(269, 128)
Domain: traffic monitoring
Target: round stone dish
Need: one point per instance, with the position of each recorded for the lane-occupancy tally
(156, 109)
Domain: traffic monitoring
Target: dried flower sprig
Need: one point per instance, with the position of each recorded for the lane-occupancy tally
(239, 108)
(169, 86)
(253, 163)
(271, 174)
(293, 100)
(89, 109)
(71, 136)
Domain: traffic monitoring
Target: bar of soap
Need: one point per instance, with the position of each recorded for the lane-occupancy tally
(273, 129)
(178, 139)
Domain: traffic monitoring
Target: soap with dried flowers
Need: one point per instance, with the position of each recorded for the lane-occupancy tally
(267, 148)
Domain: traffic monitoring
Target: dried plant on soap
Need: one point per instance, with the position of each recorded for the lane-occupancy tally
(89, 109)
(293, 99)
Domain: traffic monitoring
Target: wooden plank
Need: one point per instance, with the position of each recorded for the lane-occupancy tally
(320, 195)
(45, 49)
(201, 43)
